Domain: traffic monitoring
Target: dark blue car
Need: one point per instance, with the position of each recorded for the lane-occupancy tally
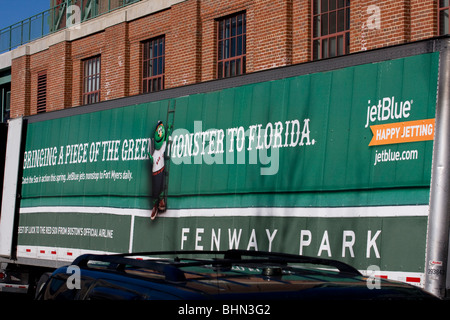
(225, 275)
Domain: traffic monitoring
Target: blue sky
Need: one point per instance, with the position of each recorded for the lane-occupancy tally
(12, 11)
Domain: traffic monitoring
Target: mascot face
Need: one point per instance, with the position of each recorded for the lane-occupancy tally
(160, 133)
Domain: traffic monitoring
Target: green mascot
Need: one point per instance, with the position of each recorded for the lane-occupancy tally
(158, 172)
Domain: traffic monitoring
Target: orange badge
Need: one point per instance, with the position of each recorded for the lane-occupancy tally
(402, 132)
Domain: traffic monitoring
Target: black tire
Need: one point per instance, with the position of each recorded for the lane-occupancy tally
(42, 280)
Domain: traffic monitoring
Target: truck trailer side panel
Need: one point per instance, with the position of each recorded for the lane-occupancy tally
(332, 164)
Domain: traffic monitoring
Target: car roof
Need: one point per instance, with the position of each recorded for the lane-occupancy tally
(232, 274)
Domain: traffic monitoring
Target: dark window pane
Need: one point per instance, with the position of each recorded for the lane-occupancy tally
(324, 25)
(220, 70)
(341, 20)
(227, 69)
(145, 69)
(233, 26)
(324, 48)
(347, 43)
(316, 49)
(221, 30)
(316, 6)
(233, 47)
(239, 45)
(226, 50)
(316, 26)
(332, 47)
(160, 66)
(161, 47)
(227, 28)
(332, 5)
(333, 22)
(443, 22)
(340, 45)
(239, 24)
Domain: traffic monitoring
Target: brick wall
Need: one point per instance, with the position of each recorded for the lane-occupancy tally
(278, 34)
(376, 24)
(424, 22)
(20, 86)
(301, 31)
(115, 62)
(270, 35)
(183, 46)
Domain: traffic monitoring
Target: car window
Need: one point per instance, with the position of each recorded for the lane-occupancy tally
(114, 290)
(57, 289)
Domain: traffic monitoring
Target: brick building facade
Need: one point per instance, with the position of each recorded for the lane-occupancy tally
(53, 73)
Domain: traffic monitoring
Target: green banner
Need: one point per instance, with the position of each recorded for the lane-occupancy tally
(354, 143)
(394, 243)
(308, 133)
(96, 154)
(75, 230)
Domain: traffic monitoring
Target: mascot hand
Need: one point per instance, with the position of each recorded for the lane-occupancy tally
(150, 157)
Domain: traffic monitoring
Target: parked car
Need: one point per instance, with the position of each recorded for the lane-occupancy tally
(229, 275)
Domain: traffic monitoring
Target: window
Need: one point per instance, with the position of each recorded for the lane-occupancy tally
(42, 92)
(331, 24)
(443, 17)
(231, 44)
(153, 65)
(91, 80)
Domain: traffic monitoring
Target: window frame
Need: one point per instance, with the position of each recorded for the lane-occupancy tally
(91, 84)
(231, 60)
(151, 80)
(341, 29)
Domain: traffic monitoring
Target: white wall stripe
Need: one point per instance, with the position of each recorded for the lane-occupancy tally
(323, 212)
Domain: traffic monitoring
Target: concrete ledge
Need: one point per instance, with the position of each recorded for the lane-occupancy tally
(5, 60)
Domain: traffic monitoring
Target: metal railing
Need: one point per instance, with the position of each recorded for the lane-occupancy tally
(67, 13)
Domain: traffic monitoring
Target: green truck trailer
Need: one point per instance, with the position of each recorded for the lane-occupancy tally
(344, 158)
